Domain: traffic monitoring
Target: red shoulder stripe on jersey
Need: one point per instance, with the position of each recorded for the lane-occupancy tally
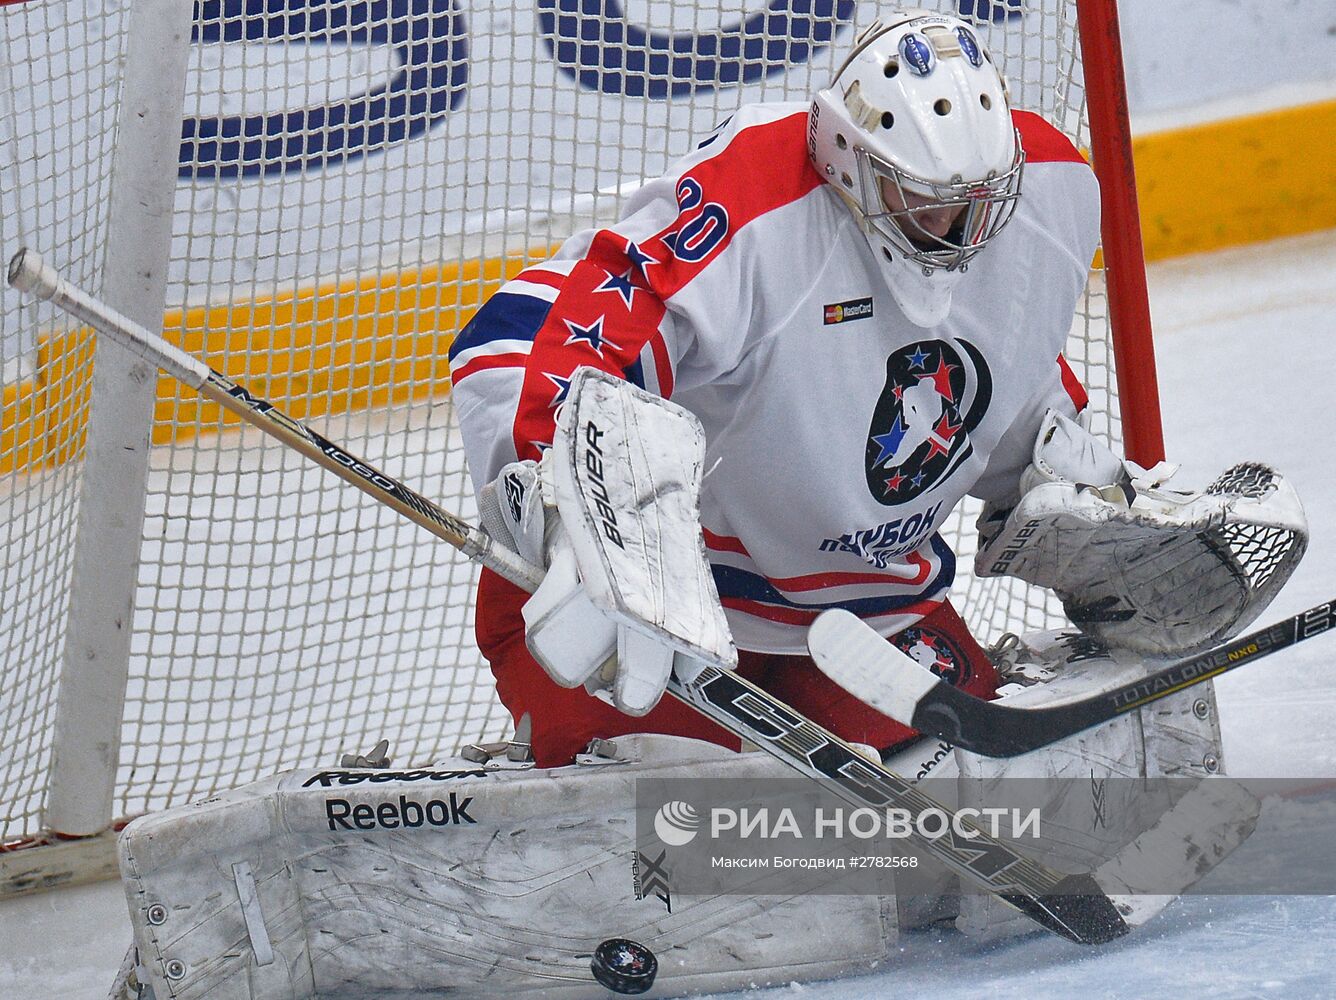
(612, 302)
(1042, 142)
(602, 318)
(764, 168)
(1073, 385)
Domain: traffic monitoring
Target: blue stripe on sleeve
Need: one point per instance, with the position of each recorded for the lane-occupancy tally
(506, 316)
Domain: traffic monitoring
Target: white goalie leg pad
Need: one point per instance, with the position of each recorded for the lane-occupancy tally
(462, 880)
(1146, 841)
(1139, 566)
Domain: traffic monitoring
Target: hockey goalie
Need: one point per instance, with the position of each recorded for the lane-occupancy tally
(755, 398)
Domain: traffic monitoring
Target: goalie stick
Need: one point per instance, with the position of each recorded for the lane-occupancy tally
(852, 654)
(1074, 906)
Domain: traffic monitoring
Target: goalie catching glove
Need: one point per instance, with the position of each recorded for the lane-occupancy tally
(1138, 566)
(613, 512)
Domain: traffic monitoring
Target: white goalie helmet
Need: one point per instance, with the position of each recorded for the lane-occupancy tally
(915, 134)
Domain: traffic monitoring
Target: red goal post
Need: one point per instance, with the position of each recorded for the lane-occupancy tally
(326, 219)
(1129, 301)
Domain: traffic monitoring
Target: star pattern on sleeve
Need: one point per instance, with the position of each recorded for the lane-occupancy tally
(641, 260)
(563, 388)
(591, 336)
(621, 284)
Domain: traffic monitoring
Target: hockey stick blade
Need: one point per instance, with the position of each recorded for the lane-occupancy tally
(859, 660)
(1076, 909)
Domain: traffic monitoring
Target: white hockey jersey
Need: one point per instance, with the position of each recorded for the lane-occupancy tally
(840, 435)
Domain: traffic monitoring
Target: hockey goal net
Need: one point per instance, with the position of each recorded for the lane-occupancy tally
(352, 179)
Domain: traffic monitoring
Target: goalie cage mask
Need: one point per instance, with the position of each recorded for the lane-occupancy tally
(919, 111)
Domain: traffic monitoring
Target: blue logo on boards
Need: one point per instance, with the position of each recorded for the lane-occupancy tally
(593, 43)
(430, 40)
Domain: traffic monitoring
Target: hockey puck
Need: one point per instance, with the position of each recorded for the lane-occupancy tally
(624, 966)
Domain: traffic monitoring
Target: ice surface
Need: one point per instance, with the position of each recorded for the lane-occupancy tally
(1247, 358)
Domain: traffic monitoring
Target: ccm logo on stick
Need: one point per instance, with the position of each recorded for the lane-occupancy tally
(407, 813)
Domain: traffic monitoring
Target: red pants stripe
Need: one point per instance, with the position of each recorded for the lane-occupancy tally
(565, 719)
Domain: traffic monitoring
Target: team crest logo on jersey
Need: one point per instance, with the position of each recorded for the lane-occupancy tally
(920, 433)
(934, 649)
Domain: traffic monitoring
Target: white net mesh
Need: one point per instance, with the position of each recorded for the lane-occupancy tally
(59, 78)
(355, 178)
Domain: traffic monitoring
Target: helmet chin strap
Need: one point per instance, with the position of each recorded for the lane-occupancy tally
(925, 299)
